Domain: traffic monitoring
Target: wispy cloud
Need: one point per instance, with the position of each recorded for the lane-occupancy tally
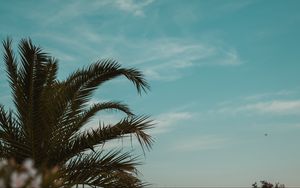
(132, 6)
(271, 107)
(235, 5)
(161, 58)
(175, 55)
(265, 95)
(166, 121)
(165, 58)
(206, 142)
(275, 107)
(67, 11)
(62, 56)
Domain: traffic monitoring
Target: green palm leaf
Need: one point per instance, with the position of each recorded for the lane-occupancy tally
(49, 114)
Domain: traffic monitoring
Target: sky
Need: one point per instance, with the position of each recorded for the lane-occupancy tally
(224, 76)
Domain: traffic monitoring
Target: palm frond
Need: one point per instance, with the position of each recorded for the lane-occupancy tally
(10, 61)
(12, 136)
(83, 82)
(69, 129)
(49, 114)
(51, 67)
(128, 126)
(76, 91)
(105, 170)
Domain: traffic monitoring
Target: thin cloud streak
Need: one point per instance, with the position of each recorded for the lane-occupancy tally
(133, 7)
(276, 107)
(206, 142)
(162, 59)
(260, 96)
(166, 121)
(273, 107)
(70, 11)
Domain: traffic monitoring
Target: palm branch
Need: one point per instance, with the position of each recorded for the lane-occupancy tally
(49, 114)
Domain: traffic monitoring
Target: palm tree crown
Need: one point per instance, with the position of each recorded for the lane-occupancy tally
(48, 115)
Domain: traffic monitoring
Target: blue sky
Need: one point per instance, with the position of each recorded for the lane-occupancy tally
(222, 74)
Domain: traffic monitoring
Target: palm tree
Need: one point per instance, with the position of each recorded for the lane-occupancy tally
(48, 116)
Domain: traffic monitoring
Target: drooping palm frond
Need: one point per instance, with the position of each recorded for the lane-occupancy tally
(11, 65)
(79, 87)
(12, 137)
(85, 116)
(70, 129)
(50, 114)
(91, 138)
(102, 169)
(104, 70)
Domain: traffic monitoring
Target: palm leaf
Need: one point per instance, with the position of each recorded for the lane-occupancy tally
(99, 169)
(128, 126)
(79, 86)
(71, 127)
(49, 114)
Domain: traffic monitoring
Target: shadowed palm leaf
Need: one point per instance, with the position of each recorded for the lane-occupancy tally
(49, 115)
